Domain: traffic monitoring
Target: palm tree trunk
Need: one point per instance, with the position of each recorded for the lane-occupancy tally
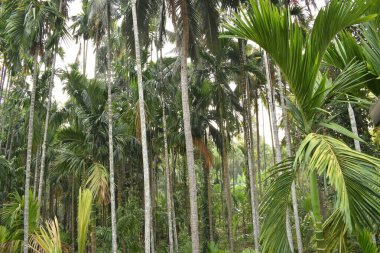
(167, 169)
(44, 142)
(147, 199)
(248, 143)
(289, 154)
(10, 150)
(110, 133)
(354, 126)
(2, 119)
(84, 56)
(276, 139)
(2, 82)
(258, 141)
(226, 183)
(316, 207)
(172, 184)
(35, 182)
(29, 149)
(187, 128)
(168, 191)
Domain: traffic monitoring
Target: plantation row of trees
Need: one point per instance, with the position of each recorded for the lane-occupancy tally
(171, 154)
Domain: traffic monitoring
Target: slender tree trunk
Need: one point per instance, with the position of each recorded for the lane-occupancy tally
(168, 191)
(187, 128)
(316, 207)
(85, 43)
(2, 82)
(44, 142)
(10, 150)
(248, 143)
(289, 154)
(277, 147)
(2, 119)
(172, 184)
(73, 212)
(265, 148)
(175, 234)
(167, 169)
(110, 133)
(226, 180)
(35, 182)
(354, 127)
(258, 141)
(144, 143)
(29, 149)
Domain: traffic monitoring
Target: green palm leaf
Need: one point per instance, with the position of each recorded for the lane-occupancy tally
(355, 177)
(298, 55)
(84, 214)
(274, 206)
(47, 240)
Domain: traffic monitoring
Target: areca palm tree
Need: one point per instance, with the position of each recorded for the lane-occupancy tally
(147, 197)
(25, 27)
(299, 57)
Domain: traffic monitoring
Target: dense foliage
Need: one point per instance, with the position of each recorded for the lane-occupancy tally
(165, 145)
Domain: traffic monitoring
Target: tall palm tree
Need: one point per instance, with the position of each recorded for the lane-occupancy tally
(147, 200)
(26, 27)
(59, 30)
(187, 125)
(299, 58)
(110, 127)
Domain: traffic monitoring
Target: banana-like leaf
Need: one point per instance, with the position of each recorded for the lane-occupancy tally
(97, 183)
(84, 214)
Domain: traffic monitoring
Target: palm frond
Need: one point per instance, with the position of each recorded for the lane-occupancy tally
(47, 240)
(274, 206)
(97, 183)
(366, 242)
(298, 55)
(354, 176)
(84, 214)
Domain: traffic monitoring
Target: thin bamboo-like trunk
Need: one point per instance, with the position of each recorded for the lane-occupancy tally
(289, 154)
(2, 119)
(29, 150)
(73, 211)
(167, 168)
(2, 82)
(354, 126)
(258, 150)
(316, 207)
(168, 191)
(10, 150)
(35, 182)
(187, 127)
(275, 136)
(110, 131)
(226, 179)
(44, 142)
(175, 234)
(147, 210)
(85, 43)
(248, 142)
